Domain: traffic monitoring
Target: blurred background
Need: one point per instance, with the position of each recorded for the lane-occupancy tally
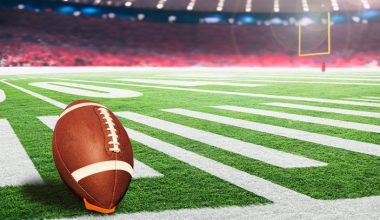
(182, 33)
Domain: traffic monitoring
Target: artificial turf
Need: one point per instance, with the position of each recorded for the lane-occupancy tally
(348, 174)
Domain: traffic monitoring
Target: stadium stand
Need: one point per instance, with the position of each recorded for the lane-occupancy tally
(41, 39)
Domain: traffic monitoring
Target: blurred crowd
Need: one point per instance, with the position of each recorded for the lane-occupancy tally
(48, 39)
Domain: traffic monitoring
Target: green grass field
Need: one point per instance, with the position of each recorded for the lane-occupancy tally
(348, 174)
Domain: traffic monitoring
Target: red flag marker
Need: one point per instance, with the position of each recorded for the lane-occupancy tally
(323, 67)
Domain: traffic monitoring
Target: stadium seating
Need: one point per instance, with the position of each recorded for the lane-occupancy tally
(41, 39)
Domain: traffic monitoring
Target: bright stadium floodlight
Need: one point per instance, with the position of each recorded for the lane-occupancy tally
(191, 5)
(366, 4)
(160, 4)
(335, 5)
(328, 40)
(128, 3)
(220, 5)
(276, 6)
(305, 6)
(248, 6)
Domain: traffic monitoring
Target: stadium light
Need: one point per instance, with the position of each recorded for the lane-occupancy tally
(248, 6)
(276, 6)
(111, 15)
(335, 5)
(21, 7)
(366, 4)
(356, 19)
(191, 5)
(160, 4)
(140, 17)
(128, 3)
(220, 5)
(305, 6)
(172, 18)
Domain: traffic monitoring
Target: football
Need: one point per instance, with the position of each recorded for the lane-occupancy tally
(93, 155)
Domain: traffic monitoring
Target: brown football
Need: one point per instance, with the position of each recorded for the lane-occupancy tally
(93, 155)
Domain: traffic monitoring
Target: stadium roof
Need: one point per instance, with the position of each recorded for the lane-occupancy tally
(240, 5)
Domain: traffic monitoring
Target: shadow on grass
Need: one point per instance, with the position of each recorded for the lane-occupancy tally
(53, 197)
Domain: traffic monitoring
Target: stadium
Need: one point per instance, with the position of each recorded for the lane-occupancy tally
(236, 109)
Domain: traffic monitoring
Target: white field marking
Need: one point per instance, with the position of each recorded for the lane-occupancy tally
(2, 96)
(141, 170)
(144, 171)
(187, 83)
(251, 79)
(354, 208)
(325, 109)
(304, 118)
(372, 97)
(242, 179)
(310, 82)
(361, 208)
(313, 77)
(266, 187)
(43, 98)
(341, 143)
(251, 183)
(289, 76)
(80, 89)
(251, 74)
(319, 76)
(257, 185)
(17, 168)
(247, 72)
(364, 100)
(257, 152)
(332, 101)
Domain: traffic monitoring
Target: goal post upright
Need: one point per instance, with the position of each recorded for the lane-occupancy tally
(328, 40)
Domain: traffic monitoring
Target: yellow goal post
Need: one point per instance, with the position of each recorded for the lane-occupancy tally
(328, 40)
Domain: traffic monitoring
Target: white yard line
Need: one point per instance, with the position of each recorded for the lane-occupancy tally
(141, 169)
(362, 100)
(325, 109)
(144, 171)
(341, 143)
(17, 168)
(187, 83)
(304, 118)
(269, 75)
(251, 78)
(257, 152)
(331, 101)
(251, 183)
(287, 203)
(311, 82)
(2, 96)
(43, 98)
(84, 90)
(327, 77)
(257, 185)
(372, 97)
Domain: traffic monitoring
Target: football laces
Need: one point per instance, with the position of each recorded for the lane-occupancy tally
(114, 138)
